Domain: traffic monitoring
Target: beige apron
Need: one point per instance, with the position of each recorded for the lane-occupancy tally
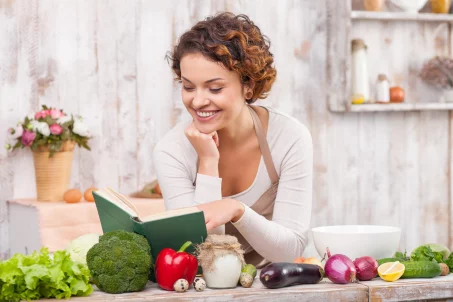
(265, 204)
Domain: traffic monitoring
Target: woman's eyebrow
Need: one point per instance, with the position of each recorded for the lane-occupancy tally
(208, 81)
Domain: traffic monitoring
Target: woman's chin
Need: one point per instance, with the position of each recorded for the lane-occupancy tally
(206, 128)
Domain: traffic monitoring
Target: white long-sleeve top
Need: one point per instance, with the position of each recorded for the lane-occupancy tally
(284, 237)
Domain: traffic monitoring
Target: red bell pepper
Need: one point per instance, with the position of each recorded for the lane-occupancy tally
(172, 266)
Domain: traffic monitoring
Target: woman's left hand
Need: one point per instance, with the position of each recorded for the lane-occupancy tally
(222, 211)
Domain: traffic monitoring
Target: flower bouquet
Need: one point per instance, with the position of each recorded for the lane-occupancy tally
(52, 135)
(438, 72)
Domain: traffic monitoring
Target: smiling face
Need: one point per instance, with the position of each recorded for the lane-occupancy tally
(213, 95)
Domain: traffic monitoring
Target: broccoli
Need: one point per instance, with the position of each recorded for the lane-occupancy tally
(120, 262)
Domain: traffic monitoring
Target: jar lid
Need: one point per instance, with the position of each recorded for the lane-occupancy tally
(382, 77)
(216, 246)
(358, 44)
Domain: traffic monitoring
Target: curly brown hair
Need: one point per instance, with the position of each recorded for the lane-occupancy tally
(236, 42)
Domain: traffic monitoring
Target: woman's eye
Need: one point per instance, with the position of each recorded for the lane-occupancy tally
(217, 90)
(188, 88)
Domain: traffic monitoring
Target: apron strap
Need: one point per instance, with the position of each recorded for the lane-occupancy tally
(264, 146)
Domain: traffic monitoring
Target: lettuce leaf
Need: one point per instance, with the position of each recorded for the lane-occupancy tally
(425, 253)
(401, 255)
(35, 276)
(449, 262)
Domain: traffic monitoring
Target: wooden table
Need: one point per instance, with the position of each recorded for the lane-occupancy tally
(34, 224)
(436, 289)
(325, 291)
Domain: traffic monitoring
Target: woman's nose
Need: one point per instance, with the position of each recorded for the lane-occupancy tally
(200, 100)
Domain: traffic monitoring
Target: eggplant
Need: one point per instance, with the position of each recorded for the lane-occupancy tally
(283, 274)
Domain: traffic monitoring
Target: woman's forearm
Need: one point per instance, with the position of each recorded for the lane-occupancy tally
(273, 241)
(209, 166)
(238, 212)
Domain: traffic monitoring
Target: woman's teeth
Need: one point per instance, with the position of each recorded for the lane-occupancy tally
(206, 114)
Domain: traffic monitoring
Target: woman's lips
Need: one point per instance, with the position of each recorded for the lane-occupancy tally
(206, 116)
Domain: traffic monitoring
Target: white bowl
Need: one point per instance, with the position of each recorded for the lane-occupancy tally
(412, 6)
(356, 241)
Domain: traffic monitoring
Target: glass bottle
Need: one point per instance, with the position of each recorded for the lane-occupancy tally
(359, 71)
(382, 89)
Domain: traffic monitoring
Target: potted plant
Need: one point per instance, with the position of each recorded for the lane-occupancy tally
(438, 72)
(51, 134)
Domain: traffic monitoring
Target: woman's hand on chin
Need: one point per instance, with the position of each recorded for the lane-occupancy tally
(220, 212)
(206, 146)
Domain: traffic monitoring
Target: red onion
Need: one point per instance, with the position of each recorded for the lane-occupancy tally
(340, 269)
(366, 268)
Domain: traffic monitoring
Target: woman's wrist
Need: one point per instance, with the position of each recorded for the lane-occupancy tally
(209, 166)
(239, 211)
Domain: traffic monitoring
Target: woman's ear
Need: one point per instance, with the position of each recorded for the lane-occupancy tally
(248, 90)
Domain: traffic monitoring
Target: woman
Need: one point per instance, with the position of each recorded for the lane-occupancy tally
(248, 167)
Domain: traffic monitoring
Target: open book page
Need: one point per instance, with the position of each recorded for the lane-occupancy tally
(120, 200)
(125, 200)
(172, 213)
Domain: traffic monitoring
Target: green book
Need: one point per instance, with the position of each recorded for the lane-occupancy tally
(170, 229)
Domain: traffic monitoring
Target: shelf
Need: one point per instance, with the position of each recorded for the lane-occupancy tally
(400, 107)
(401, 16)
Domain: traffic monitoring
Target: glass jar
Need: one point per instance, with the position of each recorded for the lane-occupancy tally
(221, 258)
(440, 6)
(373, 5)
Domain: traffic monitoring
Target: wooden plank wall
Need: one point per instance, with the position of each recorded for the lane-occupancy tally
(405, 169)
(105, 61)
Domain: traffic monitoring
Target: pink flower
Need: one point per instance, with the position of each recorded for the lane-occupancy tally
(28, 137)
(41, 114)
(55, 113)
(56, 129)
(11, 131)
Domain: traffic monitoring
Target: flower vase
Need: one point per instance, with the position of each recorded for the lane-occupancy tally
(447, 95)
(53, 173)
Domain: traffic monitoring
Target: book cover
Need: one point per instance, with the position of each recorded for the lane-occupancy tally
(169, 229)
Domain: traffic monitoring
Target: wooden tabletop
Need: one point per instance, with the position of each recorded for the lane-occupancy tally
(438, 289)
(324, 291)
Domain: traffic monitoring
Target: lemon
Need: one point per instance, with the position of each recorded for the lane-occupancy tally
(358, 99)
(391, 271)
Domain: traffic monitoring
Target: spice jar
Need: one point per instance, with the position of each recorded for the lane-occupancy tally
(382, 89)
(373, 5)
(221, 258)
(440, 6)
(359, 70)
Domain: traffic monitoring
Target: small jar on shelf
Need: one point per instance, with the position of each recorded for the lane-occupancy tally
(373, 5)
(397, 94)
(440, 6)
